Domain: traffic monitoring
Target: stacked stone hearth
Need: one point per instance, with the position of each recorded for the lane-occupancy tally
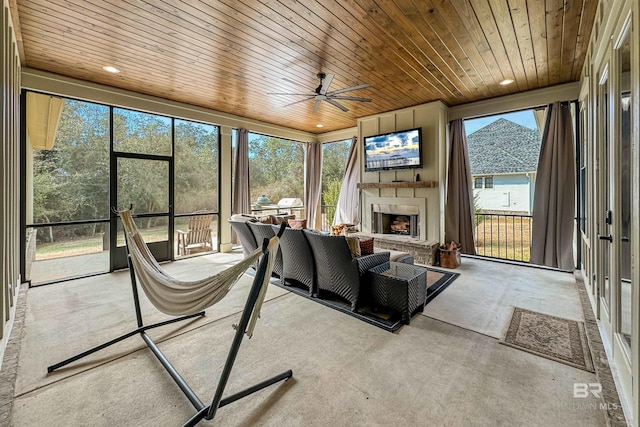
(424, 251)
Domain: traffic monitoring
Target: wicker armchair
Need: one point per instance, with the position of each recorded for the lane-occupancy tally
(337, 270)
(245, 235)
(264, 231)
(297, 259)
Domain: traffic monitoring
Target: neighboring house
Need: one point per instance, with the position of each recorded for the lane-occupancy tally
(504, 160)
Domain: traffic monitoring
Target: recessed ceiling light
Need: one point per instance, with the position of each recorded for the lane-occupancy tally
(110, 69)
(506, 82)
(319, 125)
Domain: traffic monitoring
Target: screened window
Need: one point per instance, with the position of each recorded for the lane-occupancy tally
(141, 133)
(334, 161)
(276, 168)
(166, 168)
(196, 167)
(71, 170)
(477, 182)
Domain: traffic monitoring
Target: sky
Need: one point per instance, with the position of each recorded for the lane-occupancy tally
(524, 118)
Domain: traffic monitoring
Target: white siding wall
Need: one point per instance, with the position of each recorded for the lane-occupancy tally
(511, 193)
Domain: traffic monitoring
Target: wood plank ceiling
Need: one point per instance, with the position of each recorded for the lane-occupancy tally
(228, 55)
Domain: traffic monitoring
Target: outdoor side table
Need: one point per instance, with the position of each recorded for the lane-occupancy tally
(399, 286)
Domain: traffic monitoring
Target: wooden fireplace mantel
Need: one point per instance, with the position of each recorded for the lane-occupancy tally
(399, 184)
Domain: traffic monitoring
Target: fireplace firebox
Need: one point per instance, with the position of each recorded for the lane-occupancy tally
(395, 219)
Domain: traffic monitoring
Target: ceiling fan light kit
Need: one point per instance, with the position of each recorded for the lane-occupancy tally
(321, 93)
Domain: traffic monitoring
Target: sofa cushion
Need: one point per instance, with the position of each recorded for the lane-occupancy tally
(397, 256)
(243, 217)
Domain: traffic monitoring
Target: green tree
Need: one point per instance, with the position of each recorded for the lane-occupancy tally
(330, 196)
(142, 183)
(196, 167)
(71, 180)
(276, 168)
(334, 162)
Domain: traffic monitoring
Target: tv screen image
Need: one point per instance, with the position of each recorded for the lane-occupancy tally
(394, 150)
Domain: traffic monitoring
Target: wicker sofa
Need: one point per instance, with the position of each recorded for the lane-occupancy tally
(320, 263)
(338, 271)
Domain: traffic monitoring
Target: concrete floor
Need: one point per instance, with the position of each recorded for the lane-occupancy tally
(445, 368)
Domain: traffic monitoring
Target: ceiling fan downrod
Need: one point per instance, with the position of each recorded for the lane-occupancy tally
(321, 76)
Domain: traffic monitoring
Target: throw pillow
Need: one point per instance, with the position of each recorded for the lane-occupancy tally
(339, 230)
(366, 246)
(298, 223)
(354, 246)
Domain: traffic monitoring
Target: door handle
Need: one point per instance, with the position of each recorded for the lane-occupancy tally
(625, 239)
(609, 238)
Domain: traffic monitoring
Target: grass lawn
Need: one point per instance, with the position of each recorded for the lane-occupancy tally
(90, 245)
(504, 237)
(94, 244)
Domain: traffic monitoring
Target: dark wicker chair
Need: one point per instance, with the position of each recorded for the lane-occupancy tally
(337, 271)
(245, 235)
(297, 259)
(264, 231)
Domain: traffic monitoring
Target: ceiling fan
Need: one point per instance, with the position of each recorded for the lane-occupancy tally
(320, 94)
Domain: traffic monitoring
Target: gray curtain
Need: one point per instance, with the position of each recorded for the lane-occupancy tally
(241, 196)
(458, 212)
(313, 184)
(540, 115)
(347, 207)
(554, 196)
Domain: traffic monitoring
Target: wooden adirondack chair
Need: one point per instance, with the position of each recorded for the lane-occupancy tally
(198, 235)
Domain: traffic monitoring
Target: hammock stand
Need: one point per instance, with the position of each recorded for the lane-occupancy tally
(203, 411)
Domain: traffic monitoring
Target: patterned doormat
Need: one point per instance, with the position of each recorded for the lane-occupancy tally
(555, 338)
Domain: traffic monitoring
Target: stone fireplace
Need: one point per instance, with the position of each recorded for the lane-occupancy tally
(395, 219)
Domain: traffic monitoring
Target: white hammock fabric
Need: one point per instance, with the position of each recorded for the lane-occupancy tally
(177, 297)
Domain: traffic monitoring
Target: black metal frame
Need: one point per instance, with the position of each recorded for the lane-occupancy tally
(203, 411)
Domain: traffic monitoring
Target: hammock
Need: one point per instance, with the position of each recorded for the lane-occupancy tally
(177, 297)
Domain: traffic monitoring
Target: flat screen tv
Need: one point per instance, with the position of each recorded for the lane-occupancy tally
(394, 150)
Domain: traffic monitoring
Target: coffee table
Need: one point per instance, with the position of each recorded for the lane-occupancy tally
(399, 286)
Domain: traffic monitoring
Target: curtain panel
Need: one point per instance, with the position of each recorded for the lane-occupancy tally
(241, 196)
(313, 184)
(554, 195)
(458, 213)
(347, 206)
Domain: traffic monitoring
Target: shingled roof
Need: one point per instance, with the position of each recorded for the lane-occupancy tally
(503, 147)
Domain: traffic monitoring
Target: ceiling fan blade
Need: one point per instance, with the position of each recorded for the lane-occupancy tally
(296, 102)
(350, 98)
(347, 89)
(316, 105)
(334, 103)
(282, 93)
(326, 83)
